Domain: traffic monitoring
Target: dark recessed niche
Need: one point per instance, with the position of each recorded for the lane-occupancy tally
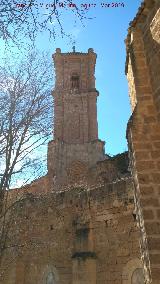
(82, 233)
(51, 227)
(134, 216)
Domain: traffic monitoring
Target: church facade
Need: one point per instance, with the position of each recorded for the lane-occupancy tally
(94, 219)
(82, 230)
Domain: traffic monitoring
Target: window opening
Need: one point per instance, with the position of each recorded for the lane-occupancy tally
(75, 81)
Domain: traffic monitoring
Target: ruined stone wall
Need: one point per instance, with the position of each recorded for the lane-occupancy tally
(143, 71)
(39, 187)
(76, 237)
(63, 158)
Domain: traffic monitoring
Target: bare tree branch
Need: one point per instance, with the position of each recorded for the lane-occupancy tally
(25, 118)
(26, 20)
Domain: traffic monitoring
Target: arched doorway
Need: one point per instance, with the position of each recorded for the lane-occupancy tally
(50, 278)
(133, 272)
(137, 276)
(49, 275)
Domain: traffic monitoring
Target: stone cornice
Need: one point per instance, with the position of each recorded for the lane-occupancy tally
(74, 53)
(140, 18)
(143, 10)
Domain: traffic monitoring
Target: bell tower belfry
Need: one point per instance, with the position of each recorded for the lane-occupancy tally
(75, 141)
(75, 97)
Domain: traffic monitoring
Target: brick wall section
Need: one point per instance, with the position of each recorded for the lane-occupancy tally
(83, 236)
(143, 70)
(75, 110)
(75, 117)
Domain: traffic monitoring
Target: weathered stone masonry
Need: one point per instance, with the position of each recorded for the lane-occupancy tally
(143, 72)
(81, 236)
(77, 224)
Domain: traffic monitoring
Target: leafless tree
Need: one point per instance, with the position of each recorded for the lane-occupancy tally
(24, 19)
(25, 116)
(26, 119)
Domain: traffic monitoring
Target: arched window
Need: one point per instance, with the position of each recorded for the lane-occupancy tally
(75, 81)
(133, 272)
(50, 278)
(137, 276)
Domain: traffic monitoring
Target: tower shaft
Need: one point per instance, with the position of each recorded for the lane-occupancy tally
(75, 147)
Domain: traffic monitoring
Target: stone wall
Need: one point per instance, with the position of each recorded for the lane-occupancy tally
(77, 236)
(143, 73)
(63, 158)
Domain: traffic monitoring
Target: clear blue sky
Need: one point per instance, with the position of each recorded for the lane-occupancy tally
(105, 33)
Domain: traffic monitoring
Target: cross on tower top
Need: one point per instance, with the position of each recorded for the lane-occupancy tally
(74, 48)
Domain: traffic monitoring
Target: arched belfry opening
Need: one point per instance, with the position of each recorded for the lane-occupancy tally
(75, 81)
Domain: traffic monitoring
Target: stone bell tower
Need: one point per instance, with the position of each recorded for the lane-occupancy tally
(76, 147)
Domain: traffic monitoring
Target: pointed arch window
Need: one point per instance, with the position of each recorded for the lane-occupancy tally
(75, 81)
(50, 278)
